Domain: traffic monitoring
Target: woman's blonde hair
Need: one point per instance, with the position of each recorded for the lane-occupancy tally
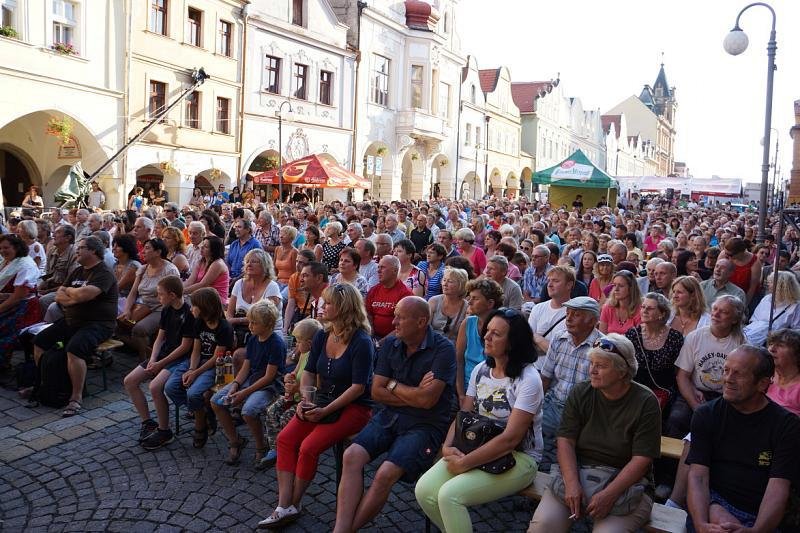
(634, 294)
(623, 358)
(787, 291)
(291, 230)
(263, 312)
(265, 260)
(460, 276)
(351, 314)
(176, 234)
(697, 301)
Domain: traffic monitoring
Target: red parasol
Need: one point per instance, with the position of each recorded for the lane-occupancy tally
(313, 171)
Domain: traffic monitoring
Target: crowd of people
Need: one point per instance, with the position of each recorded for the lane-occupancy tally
(568, 339)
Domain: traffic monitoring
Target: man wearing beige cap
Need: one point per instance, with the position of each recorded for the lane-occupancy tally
(566, 363)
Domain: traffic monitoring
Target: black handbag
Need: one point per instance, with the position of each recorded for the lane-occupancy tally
(472, 432)
(323, 400)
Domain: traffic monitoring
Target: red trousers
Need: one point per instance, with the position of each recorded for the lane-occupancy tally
(301, 443)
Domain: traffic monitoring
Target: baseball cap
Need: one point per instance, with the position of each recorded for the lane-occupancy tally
(604, 258)
(583, 303)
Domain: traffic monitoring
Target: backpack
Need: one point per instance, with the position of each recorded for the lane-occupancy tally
(55, 386)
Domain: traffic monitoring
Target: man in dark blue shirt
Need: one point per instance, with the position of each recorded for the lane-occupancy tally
(413, 387)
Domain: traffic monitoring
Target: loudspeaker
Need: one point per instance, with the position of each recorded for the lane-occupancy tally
(670, 194)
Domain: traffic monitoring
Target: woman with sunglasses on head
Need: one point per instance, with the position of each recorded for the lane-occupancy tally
(340, 365)
(483, 296)
(600, 286)
(507, 389)
(449, 309)
(622, 310)
(611, 426)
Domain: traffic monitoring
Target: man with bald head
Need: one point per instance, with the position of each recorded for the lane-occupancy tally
(720, 284)
(665, 274)
(413, 391)
(383, 297)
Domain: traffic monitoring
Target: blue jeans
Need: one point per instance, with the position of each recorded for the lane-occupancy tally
(551, 419)
(253, 406)
(193, 396)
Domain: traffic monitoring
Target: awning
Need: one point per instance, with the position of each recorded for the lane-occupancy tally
(575, 171)
(315, 172)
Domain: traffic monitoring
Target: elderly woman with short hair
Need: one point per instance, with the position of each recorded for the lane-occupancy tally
(328, 252)
(657, 347)
(29, 232)
(611, 429)
(465, 240)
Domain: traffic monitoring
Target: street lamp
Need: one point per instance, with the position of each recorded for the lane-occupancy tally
(735, 43)
(280, 115)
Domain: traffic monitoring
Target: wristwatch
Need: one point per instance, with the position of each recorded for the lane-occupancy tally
(392, 384)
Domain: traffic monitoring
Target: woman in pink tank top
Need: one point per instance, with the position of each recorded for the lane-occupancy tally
(211, 270)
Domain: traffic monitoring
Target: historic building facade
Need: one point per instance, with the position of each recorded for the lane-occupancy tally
(297, 66)
(198, 142)
(651, 116)
(408, 74)
(62, 75)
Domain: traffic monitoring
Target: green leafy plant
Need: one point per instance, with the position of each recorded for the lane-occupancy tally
(61, 128)
(382, 151)
(8, 31)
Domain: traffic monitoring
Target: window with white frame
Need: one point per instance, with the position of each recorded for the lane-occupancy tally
(65, 23)
(158, 17)
(194, 26)
(193, 110)
(325, 87)
(468, 135)
(379, 81)
(223, 115)
(301, 81)
(8, 12)
(417, 72)
(444, 100)
(273, 75)
(225, 32)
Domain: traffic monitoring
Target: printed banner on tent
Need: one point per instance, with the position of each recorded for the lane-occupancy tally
(570, 170)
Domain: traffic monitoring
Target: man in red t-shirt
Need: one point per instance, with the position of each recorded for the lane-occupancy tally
(383, 297)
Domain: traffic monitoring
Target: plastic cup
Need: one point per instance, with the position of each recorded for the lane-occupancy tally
(308, 396)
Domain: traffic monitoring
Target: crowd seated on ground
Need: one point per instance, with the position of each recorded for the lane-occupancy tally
(579, 336)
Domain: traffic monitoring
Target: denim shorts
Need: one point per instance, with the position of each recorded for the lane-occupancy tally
(411, 446)
(253, 406)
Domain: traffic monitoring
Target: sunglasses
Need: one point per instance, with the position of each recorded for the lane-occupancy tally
(608, 346)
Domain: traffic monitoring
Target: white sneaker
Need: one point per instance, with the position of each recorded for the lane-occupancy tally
(279, 517)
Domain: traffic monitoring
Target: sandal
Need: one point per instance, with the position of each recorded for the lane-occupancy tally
(258, 456)
(73, 408)
(279, 517)
(235, 451)
(211, 422)
(199, 438)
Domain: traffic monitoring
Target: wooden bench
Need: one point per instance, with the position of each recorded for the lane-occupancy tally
(104, 359)
(671, 448)
(663, 519)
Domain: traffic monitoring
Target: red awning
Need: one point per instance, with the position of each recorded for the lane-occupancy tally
(315, 172)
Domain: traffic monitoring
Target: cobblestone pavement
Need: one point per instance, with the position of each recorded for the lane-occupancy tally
(87, 473)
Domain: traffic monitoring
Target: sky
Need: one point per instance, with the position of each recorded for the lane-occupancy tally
(607, 50)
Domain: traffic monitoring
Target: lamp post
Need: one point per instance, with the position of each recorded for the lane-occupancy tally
(279, 114)
(735, 43)
(773, 188)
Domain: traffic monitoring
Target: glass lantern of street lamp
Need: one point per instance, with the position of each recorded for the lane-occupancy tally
(736, 41)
